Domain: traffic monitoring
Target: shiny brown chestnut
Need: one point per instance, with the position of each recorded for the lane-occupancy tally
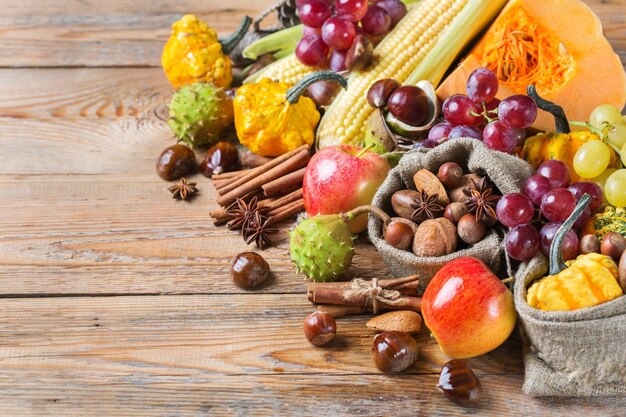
(399, 234)
(221, 157)
(409, 104)
(458, 382)
(379, 92)
(454, 212)
(622, 272)
(175, 161)
(248, 270)
(394, 351)
(320, 327)
(360, 54)
(450, 174)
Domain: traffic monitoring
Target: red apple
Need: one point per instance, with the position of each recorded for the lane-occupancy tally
(340, 178)
(468, 309)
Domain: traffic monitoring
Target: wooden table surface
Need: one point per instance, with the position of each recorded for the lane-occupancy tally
(116, 300)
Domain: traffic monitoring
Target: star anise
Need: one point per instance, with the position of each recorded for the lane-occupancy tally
(258, 230)
(425, 207)
(241, 213)
(183, 190)
(481, 199)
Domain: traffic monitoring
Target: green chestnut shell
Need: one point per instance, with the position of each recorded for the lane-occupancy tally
(199, 113)
(322, 247)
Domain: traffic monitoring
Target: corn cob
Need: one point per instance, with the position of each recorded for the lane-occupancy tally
(287, 69)
(395, 57)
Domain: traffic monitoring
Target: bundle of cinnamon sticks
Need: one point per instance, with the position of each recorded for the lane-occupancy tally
(276, 184)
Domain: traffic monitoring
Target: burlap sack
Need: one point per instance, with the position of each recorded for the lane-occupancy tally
(507, 172)
(571, 353)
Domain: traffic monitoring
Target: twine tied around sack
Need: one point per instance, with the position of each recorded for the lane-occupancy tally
(373, 292)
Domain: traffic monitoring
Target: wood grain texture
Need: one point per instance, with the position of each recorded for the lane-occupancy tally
(116, 300)
(108, 34)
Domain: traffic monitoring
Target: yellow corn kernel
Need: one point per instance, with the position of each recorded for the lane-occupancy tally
(287, 70)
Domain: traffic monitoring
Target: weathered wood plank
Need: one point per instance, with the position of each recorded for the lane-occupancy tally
(94, 33)
(227, 355)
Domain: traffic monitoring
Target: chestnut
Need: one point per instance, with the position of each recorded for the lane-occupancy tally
(450, 174)
(175, 161)
(320, 327)
(399, 234)
(394, 351)
(589, 244)
(471, 230)
(613, 245)
(409, 104)
(221, 157)
(379, 92)
(459, 383)
(249, 270)
(622, 271)
(454, 212)
(360, 54)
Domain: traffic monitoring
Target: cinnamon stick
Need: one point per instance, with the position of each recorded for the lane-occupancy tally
(293, 163)
(340, 311)
(284, 184)
(287, 211)
(229, 175)
(255, 172)
(323, 290)
(277, 202)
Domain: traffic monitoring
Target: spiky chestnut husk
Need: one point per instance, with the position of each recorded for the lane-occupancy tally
(322, 246)
(199, 113)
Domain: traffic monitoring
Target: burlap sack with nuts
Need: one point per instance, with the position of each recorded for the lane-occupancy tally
(571, 353)
(506, 172)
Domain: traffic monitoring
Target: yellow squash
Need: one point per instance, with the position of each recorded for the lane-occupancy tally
(194, 53)
(587, 281)
(271, 118)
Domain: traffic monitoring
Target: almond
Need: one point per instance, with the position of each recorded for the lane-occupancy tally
(427, 181)
(400, 321)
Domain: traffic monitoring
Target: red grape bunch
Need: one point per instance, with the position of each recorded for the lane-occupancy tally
(550, 190)
(329, 31)
(480, 115)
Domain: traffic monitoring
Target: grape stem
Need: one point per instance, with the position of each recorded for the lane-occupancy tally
(598, 133)
(485, 113)
(556, 248)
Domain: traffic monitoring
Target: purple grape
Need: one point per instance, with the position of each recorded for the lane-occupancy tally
(338, 33)
(458, 109)
(377, 21)
(520, 135)
(426, 143)
(395, 8)
(557, 172)
(500, 137)
(351, 9)
(314, 13)
(465, 132)
(492, 106)
(535, 187)
(522, 242)
(482, 85)
(518, 111)
(312, 50)
(595, 192)
(439, 131)
(570, 243)
(557, 204)
(515, 209)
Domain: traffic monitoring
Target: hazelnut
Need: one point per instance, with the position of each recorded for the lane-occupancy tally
(456, 194)
(320, 327)
(454, 212)
(589, 244)
(379, 93)
(435, 237)
(394, 351)
(471, 230)
(613, 245)
(221, 157)
(399, 234)
(401, 202)
(427, 181)
(459, 383)
(249, 270)
(450, 174)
